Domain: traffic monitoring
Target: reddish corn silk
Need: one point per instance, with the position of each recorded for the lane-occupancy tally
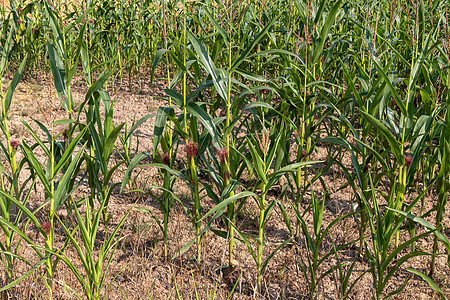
(222, 154)
(165, 158)
(14, 144)
(408, 160)
(46, 226)
(191, 149)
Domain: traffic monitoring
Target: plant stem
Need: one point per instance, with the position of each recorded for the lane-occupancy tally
(230, 208)
(262, 206)
(166, 210)
(196, 199)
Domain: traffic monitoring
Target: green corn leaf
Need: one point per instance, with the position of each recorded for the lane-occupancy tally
(352, 86)
(391, 87)
(286, 219)
(79, 44)
(156, 60)
(177, 97)
(168, 169)
(63, 183)
(245, 240)
(35, 164)
(27, 274)
(273, 177)
(271, 255)
(148, 211)
(108, 147)
(110, 173)
(417, 67)
(425, 224)
(317, 213)
(36, 138)
(207, 62)
(251, 76)
(252, 46)
(106, 247)
(255, 104)
(224, 203)
(207, 122)
(273, 151)
(137, 124)
(395, 146)
(280, 52)
(5, 53)
(108, 109)
(267, 211)
(56, 29)
(160, 123)
(180, 64)
(68, 152)
(70, 236)
(219, 28)
(189, 244)
(331, 18)
(26, 212)
(395, 51)
(428, 280)
(86, 65)
(98, 146)
(59, 74)
(98, 85)
(399, 263)
(12, 86)
(257, 161)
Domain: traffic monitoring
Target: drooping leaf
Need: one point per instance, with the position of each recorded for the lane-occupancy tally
(207, 62)
(12, 86)
(395, 146)
(428, 280)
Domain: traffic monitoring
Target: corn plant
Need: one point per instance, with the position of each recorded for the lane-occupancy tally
(383, 262)
(63, 63)
(9, 178)
(57, 189)
(443, 186)
(342, 277)
(95, 265)
(164, 161)
(262, 150)
(311, 261)
(102, 137)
